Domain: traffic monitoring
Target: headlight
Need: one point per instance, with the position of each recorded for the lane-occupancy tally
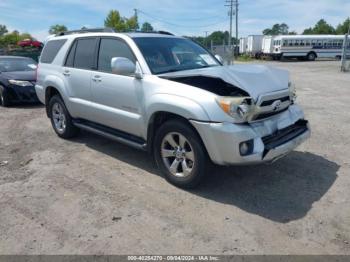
(292, 92)
(20, 83)
(237, 107)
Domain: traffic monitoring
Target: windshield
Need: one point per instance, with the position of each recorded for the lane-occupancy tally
(17, 64)
(165, 54)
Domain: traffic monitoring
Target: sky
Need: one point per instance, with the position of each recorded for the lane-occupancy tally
(181, 17)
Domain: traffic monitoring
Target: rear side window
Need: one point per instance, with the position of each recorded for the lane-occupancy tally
(71, 54)
(50, 51)
(110, 48)
(85, 53)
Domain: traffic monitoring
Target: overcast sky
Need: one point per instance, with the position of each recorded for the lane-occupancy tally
(182, 17)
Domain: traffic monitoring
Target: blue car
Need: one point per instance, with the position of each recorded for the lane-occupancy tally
(17, 80)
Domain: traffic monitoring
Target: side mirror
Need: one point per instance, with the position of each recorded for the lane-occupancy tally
(123, 66)
(218, 57)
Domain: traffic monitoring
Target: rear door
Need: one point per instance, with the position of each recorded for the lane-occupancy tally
(117, 98)
(80, 62)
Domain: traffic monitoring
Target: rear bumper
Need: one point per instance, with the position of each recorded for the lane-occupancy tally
(272, 138)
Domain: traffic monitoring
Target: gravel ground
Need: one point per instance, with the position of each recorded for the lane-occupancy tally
(93, 196)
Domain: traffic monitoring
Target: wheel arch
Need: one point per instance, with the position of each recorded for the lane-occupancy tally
(160, 117)
(50, 91)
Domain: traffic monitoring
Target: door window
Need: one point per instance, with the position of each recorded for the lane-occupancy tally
(84, 54)
(110, 48)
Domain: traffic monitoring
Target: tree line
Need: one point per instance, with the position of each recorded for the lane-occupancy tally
(320, 28)
(124, 24)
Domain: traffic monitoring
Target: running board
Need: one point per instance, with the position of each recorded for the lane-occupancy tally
(112, 134)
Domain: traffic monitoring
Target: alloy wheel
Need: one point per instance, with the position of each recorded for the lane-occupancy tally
(59, 118)
(177, 154)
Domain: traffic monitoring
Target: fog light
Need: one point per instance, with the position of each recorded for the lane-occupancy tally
(246, 148)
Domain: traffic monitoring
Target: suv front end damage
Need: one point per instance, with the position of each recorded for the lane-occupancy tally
(255, 142)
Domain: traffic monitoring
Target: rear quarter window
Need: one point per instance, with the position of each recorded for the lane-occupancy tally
(50, 50)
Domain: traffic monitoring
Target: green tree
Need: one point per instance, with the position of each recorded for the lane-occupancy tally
(10, 38)
(3, 30)
(132, 23)
(308, 31)
(147, 27)
(115, 21)
(55, 29)
(343, 28)
(277, 29)
(321, 28)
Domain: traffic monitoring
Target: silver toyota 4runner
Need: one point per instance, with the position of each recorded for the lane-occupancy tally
(170, 96)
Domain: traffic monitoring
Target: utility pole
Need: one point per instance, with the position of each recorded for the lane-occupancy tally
(236, 25)
(136, 18)
(231, 4)
(206, 38)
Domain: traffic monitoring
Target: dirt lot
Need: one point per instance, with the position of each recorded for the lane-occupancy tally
(94, 196)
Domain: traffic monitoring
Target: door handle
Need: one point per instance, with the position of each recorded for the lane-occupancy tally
(66, 73)
(96, 78)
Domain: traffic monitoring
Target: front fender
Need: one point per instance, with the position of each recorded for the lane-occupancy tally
(178, 105)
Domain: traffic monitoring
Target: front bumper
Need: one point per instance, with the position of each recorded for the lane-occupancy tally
(273, 138)
(22, 94)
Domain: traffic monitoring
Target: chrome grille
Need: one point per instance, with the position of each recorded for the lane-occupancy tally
(272, 104)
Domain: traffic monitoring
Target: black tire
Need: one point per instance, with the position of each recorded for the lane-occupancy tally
(69, 130)
(200, 155)
(311, 56)
(4, 99)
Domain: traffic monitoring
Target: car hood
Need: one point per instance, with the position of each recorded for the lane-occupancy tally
(21, 75)
(253, 79)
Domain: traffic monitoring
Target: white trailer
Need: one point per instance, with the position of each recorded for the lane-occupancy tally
(267, 45)
(243, 45)
(254, 45)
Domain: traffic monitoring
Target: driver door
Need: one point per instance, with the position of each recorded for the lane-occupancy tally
(116, 98)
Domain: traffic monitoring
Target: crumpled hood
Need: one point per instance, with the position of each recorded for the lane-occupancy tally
(254, 79)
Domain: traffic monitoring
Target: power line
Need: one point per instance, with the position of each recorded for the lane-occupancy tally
(178, 25)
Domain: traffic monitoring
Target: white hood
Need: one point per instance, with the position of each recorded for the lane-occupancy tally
(254, 79)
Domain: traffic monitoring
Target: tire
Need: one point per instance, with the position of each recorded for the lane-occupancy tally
(4, 99)
(311, 56)
(60, 118)
(167, 155)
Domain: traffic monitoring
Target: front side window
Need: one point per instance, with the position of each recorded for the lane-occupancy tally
(169, 54)
(110, 48)
(84, 53)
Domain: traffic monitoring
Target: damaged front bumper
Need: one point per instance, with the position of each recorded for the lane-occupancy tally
(271, 138)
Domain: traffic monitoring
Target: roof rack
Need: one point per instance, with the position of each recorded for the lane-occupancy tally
(164, 33)
(152, 32)
(89, 30)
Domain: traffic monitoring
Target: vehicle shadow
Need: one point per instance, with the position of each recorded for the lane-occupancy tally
(283, 191)
(26, 105)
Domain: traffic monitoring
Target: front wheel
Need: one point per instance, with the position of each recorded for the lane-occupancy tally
(180, 154)
(60, 118)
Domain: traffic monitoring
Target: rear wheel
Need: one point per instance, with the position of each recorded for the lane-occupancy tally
(179, 154)
(4, 99)
(60, 119)
(311, 56)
